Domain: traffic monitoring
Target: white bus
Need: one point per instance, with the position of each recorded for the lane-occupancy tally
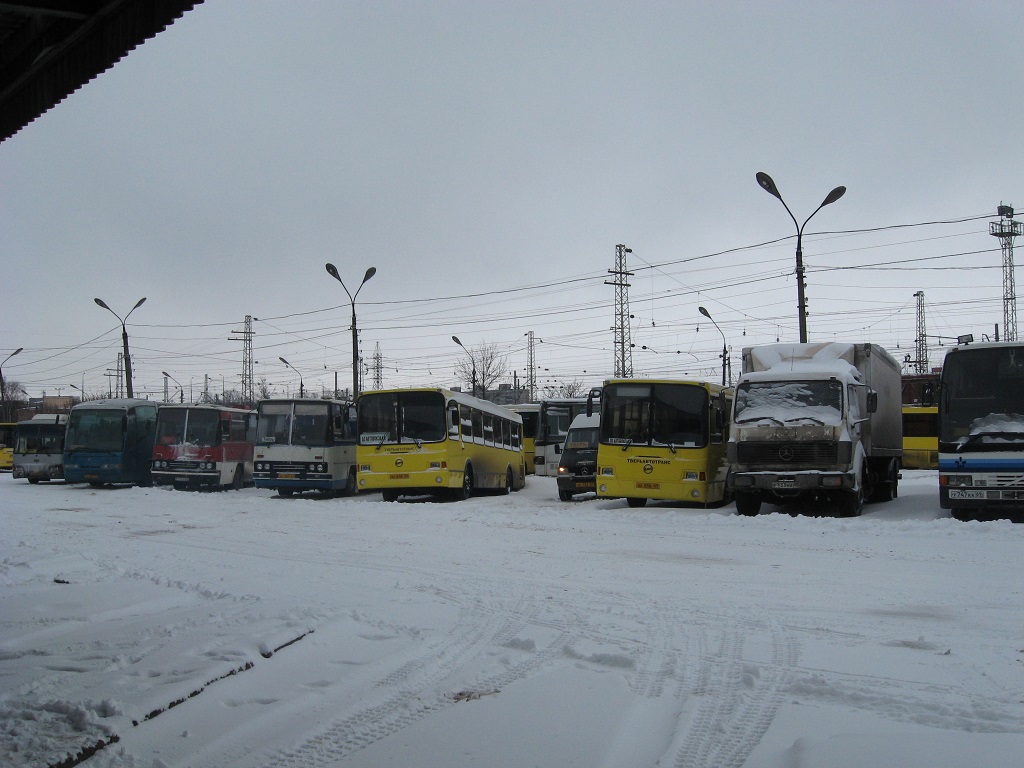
(305, 445)
(433, 441)
(39, 447)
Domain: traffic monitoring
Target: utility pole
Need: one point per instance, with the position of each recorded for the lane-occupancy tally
(1006, 229)
(623, 347)
(248, 387)
(921, 346)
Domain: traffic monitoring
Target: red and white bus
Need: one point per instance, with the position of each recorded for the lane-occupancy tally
(204, 445)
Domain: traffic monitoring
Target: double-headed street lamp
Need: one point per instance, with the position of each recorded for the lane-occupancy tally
(725, 346)
(769, 186)
(124, 340)
(333, 272)
(472, 360)
(3, 388)
(302, 390)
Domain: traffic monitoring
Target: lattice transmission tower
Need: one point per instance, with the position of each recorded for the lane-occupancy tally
(531, 369)
(921, 345)
(248, 386)
(378, 368)
(623, 345)
(1006, 229)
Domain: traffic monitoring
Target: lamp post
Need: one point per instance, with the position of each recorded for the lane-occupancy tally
(302, 390)
(333, 272)
(769, 186)
(472, 360)
(124, 340)
(3, 388)
(180, 388)
(725, 347)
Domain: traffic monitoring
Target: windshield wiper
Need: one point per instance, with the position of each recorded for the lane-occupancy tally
(809, 418)
(629, 442)
(759, 418)
(380, 442)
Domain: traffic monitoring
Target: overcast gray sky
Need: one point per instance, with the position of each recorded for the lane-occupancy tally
(486, 158)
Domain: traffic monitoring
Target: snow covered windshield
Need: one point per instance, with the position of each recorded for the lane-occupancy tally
(981, 397)
(790, 402)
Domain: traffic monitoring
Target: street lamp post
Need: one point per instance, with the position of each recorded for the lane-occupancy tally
(124, 340)
(769, 186)
(333, 272)
(725, 347)
(180, 388)
(3, 388)
(302, 391)
(472, 360)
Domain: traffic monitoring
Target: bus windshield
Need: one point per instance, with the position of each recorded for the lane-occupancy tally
(981, 399)
(178, 426)
(397, 417)
(655, 414)
(39, 438)
(98, 430)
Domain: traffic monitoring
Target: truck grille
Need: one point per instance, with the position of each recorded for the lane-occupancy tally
(788, 456)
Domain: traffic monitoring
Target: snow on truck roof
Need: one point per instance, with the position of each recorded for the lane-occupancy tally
(814, 361)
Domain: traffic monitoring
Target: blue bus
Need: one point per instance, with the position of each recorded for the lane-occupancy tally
(110, 442)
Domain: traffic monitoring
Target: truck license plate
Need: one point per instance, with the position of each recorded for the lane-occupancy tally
(967, 495)
(784, 484)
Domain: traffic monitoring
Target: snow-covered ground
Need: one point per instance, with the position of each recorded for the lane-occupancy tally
(505, 631)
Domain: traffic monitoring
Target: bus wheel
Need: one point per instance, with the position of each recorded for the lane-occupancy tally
(350, 484)
(635, 503)
(236, 481)
(466, 490)
(284, 491)
(33, 480)
(389, 494)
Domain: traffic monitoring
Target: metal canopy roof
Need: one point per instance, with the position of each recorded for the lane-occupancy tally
(50, 49)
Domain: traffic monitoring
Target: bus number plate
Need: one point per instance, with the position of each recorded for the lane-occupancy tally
(398, 477)
(648, 486)
(967, 495)
(287, 475)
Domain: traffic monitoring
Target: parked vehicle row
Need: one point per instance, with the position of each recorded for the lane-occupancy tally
(805, 424)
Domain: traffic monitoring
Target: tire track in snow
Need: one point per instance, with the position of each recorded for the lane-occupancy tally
(738, 699)
(415, 689)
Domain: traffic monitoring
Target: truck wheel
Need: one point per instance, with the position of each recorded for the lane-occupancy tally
(747, 503)
(565, 495)
(851, 503)
(888, 489)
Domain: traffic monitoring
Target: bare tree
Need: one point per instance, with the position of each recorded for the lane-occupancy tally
(574, 388)
(483, 369)
(263, 389)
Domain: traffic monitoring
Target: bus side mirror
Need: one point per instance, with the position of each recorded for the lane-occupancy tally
(872, 402)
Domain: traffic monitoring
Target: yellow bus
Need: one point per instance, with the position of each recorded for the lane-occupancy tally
(414, 442)
(663, 439)
(921, 436)
(531, 423)
(6, 446)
